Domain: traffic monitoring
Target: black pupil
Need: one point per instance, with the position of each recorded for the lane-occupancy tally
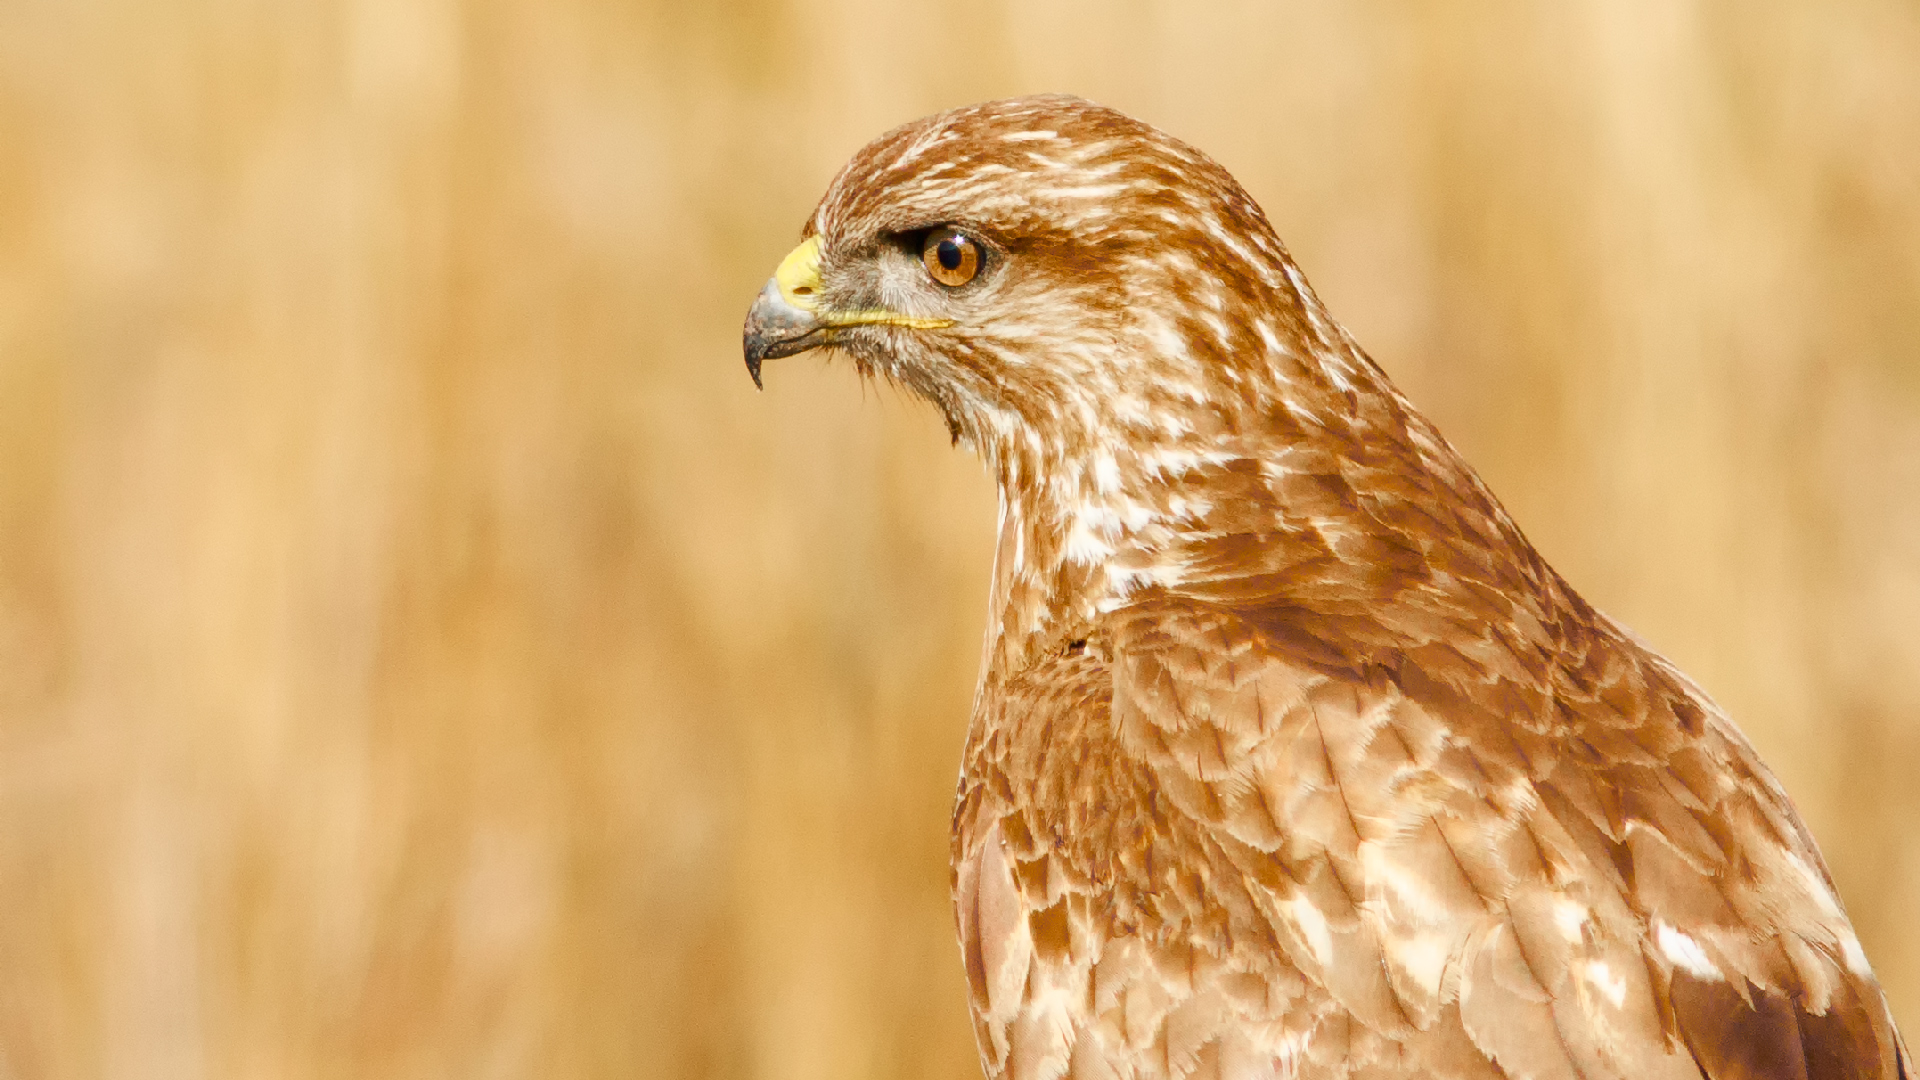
(948, 252)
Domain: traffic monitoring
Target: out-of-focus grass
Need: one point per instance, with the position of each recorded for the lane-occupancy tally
(422, 654)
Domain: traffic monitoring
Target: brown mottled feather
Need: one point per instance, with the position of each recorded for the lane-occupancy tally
(1291, 757)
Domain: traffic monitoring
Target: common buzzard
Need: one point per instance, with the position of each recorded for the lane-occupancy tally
(1290, 755)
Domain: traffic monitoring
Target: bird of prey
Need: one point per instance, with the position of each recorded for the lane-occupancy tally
(1290, 756)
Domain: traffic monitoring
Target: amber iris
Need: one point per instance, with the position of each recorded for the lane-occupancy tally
(952, 257)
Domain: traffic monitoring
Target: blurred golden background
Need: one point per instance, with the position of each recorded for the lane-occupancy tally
(422, 654)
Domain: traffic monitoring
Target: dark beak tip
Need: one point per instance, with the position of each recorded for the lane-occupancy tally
(775, 329)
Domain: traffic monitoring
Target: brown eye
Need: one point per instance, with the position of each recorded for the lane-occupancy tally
(952, 257)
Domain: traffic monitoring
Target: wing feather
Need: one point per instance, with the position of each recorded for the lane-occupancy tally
(1389, 860)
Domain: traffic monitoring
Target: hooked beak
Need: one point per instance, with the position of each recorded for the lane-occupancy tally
(782, 320)
(787, 318)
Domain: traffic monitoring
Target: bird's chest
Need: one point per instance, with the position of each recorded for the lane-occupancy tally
(1086, 901)
(1080, 821)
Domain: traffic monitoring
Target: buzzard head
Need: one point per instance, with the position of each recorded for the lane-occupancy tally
(1107, 317)
(1054, 276)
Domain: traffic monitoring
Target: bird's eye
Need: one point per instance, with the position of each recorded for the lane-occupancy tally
(951, 256)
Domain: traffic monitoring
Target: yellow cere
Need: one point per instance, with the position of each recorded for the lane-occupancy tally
(799, 280)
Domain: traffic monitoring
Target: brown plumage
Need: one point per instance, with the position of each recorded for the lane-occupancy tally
(1290, 756)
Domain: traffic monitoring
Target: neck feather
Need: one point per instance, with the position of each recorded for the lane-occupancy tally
(1356, 504)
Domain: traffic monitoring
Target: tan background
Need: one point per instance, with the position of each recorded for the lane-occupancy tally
(423, 655)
